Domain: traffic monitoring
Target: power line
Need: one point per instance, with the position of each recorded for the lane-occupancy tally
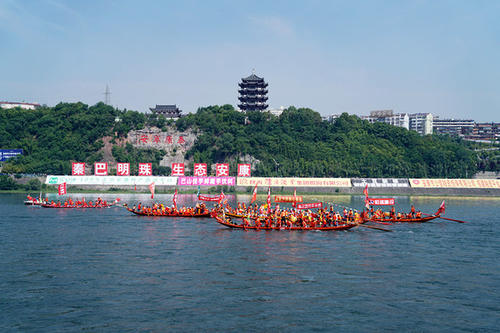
(107, 96)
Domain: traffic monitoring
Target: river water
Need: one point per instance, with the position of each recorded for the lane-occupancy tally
(106, 270)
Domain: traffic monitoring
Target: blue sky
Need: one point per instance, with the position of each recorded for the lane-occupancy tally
(332, 56)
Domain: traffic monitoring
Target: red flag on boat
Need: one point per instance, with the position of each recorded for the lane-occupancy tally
(174, 199)
(367, 200)
(294, 203)
(269, 200)
(222, 196)
(152, 189)
(441, 209)
(254, 194)
(61, 189)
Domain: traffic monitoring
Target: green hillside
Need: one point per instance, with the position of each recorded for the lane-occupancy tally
(298, 143)
(52, 137)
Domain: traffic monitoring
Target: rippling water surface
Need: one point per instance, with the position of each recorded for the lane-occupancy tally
(106, 270)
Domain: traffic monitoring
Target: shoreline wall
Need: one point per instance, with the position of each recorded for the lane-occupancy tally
(354, 186)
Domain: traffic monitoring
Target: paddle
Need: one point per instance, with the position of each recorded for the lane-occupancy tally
(372, 227)
(459, 221)
(445, 218)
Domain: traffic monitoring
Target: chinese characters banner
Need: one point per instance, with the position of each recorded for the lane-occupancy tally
(145, 169)
(208, 198)
(310, 205)
(123, 169)
(244, 170)
(222, 170)
(206, 181)
(100, 168)
(78, 169)
(294, 182)
(287, 198)
(200, 170)
(455, 183)
(381, 201)
(177, 169)
(159, 139)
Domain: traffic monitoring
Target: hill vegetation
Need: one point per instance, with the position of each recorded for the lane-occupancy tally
(52, 137)
(298, 143)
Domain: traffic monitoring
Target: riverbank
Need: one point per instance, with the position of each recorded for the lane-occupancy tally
(386, 191)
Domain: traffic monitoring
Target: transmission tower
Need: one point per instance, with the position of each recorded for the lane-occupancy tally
(107, 96)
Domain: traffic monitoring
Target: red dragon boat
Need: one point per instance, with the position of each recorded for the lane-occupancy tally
(169, 214)
(78, 206)
(228, 223)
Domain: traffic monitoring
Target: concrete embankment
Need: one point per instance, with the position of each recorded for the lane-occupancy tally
(376, 186)
(322, 190)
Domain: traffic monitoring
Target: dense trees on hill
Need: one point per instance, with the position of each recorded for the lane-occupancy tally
(52, 137)
(298, 143)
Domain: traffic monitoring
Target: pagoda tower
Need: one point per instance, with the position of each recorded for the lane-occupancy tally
(253, 94)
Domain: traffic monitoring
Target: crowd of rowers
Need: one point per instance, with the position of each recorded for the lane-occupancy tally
(290, 217)
(381, 215)
(324, 217)
(159, 209)
(99, 203)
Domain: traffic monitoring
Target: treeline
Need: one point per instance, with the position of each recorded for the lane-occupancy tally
(52, 137)
(297, 143)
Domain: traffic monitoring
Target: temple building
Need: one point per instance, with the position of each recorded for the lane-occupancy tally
(169, 111)
(253, 94)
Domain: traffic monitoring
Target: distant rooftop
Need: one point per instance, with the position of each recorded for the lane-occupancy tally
(253, 77)
(168, 110)
(22, 105)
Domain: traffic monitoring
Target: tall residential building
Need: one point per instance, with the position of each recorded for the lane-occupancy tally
(485, 132)
(388, 117)
(253, 94)
(22, 105)
(421, 123)
(453, 127)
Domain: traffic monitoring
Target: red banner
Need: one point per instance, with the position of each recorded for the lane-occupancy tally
(205, 198)
(381, 201)
(310, 205)
(254, 195)
(61, 190)
(287, 198)
(152, 189)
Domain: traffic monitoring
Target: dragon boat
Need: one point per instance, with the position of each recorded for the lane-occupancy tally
(33, 202)
(404, 220)
(228, 223)
(77, 206)
(168, 214)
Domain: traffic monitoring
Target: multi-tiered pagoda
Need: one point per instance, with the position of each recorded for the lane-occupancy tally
(253, 94)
